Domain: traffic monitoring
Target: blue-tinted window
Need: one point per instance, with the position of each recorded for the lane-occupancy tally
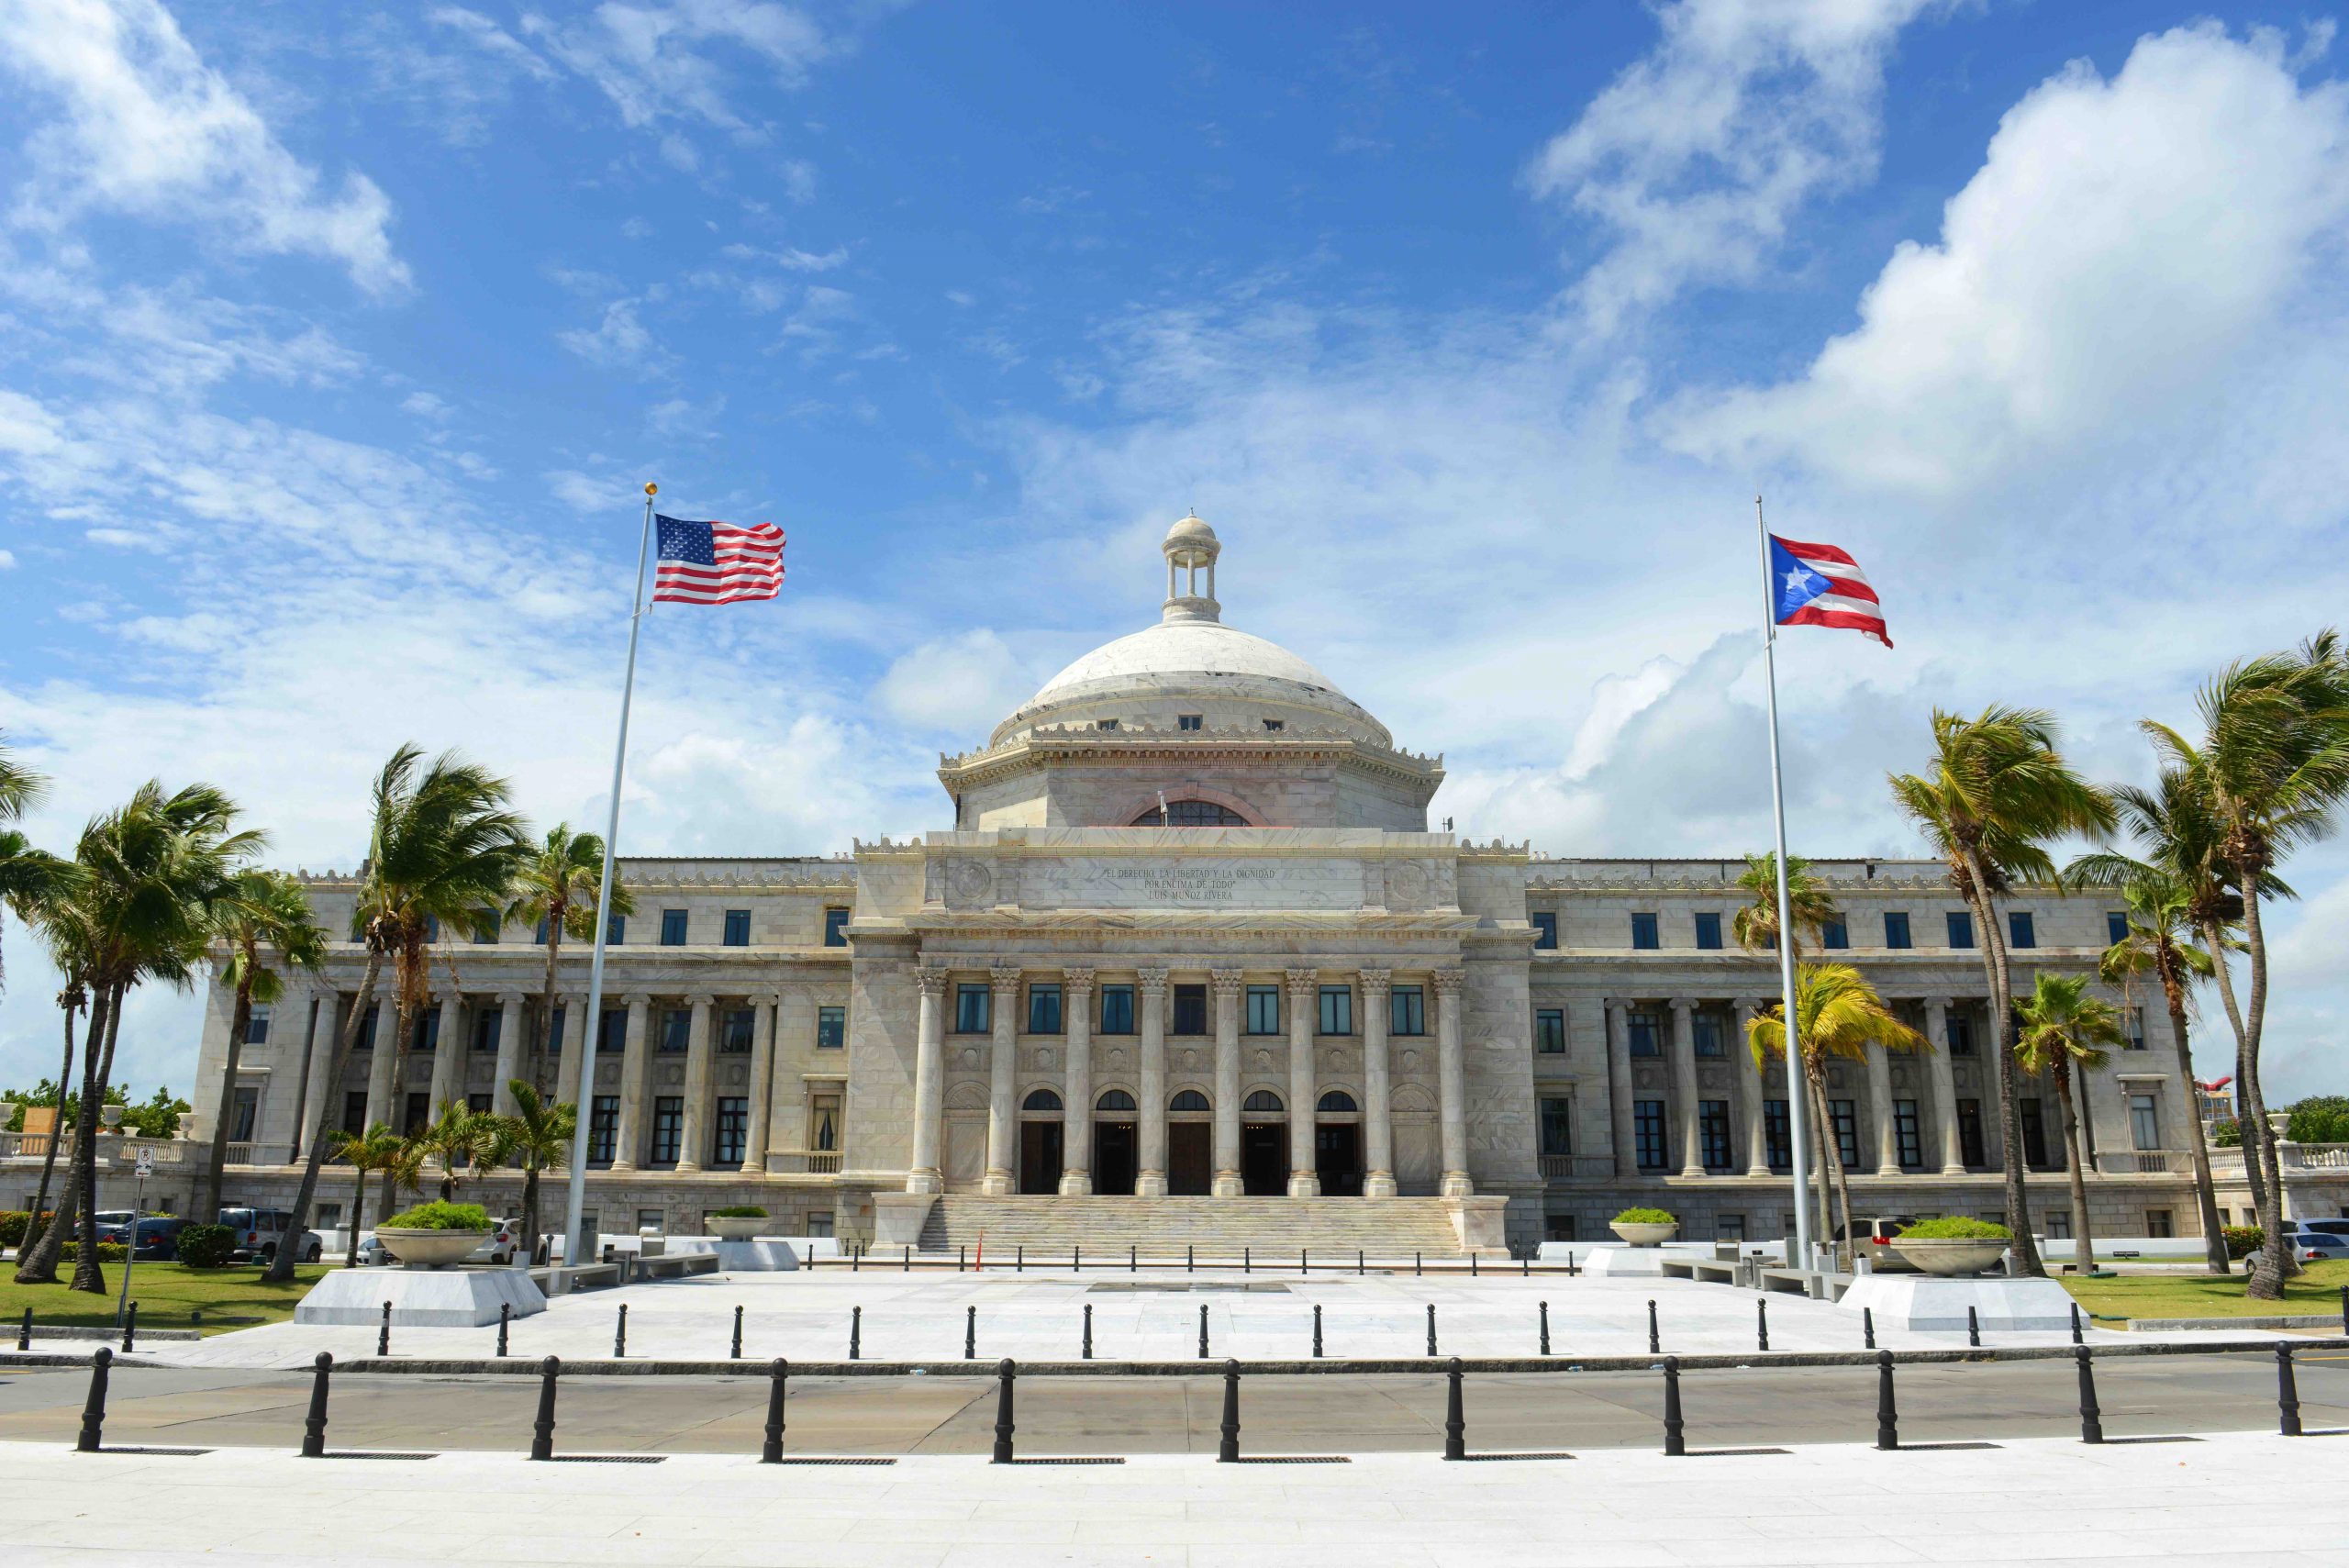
(1960, 929)
(738, 929)
(1896, 928)
(676, 1028)
(1044, 1008)
(1117, 1009)
(1643, 932)
(1647, 1133)
(2021, 931)
(487, 925)
(257, 1025)
(1710, 1036)
(1263, 1009)
(367, 1027)
(1645, 1031)
(1777, 1135)
(973, 1007)
(611, 1032)
(614, 930)
(831, 1027)
(1847, 1133)
(425, 1033)
(1549, 1030)
(2116, 925)
(1833, 934)
(836, 927)
(489, 1023)
(668, 1128)
(1712, 1133)
(733, 1126)
(673, 928)
(432, 927)
(1337, 1009)
(1545, 931)
(1709, 931)
(736, 1031)
(603, 1129)
(1406, 1010)
(1958, 1031)
(538, 932)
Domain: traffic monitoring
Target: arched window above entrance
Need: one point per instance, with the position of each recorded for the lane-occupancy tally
(1192, 813)
(1336, 1100)
(1041, 1100)
(1262, 1100)
(1188, 1100)
(1114, 1100)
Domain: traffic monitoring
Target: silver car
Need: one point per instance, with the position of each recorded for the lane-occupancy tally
(260, 1232)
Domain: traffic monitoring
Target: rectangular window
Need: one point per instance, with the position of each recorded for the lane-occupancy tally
(424, 1034)
(2133, 1020)
(668, 1128)
(2057, 1224)
(242, 1115)
(257, 1025)
(1847, 1133)
(1263, 1009)
(1189, 721)
(367, 1027)
(2019, 930)
(1337, 1009)
(556, 1028)
(831, 1027)
(1708, 931)
(1961, 927)
(432, 927)
(1406, 1010)
(329, 1216)
(1958, 1031)
(614, 930)
(1647, 1133)
(1276, 725)
(973, 1009)
(1729, 1228)
(1550, 1031)
(738, 1031)
(1711, 1033)
(1712, 1133)
(738, 929)
(1645, 1031)
(1044, 1008)
(1557, 1126)
(2145, 1122)
(1777, 1135)
(1545, 931)
(652, 1219)
(733, 1126)
(354, 1113)
(1906, 1134)
(1834, 935)
(2157, 1224)
(1117, 1009)
(673, 928)
(538, 932)
(1643, 932)
(836, 927)
(611, 1032)
(489, 1026)
(419, 1113)
(478, 1104)
(676, 1030)
(1896, 928)
(1105, 724)
(1558, 1228)
(2034, 1135)
(2116, 925)
(487, 927)
(1970, 1146)
(1190, 1009)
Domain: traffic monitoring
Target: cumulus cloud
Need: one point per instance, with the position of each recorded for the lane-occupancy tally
(619, 339)
(957, 686)
(150, 129)
(654, 61)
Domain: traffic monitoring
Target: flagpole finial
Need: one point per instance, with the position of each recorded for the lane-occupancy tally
(651, 489)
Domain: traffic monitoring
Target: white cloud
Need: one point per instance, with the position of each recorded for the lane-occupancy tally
(7, 560)
(424, 406)
(957, 686)
(1696, 158)
(2126, 244)
(151, 131)
(654, 61)
(619, 339)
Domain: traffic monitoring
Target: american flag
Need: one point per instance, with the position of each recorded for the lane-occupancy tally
(717, 563)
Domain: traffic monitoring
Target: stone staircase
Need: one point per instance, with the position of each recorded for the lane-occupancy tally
(1219, 1227)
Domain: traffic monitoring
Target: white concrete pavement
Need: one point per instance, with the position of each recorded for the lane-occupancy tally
(2215, 1502)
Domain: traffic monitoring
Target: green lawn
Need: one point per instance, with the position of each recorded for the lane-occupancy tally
(2316, 1290)
(168, 1295)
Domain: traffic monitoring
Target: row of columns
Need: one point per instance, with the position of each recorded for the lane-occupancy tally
(1303, 988)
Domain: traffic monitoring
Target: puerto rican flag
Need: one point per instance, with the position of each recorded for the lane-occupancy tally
(1818, 585)
(717, 563)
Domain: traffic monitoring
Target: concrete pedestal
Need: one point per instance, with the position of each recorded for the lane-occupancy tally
(1480, 1221)
(422, 1299)
(897, 1217)
(739, 1257)
(1928, 1304)
(1624, 1262)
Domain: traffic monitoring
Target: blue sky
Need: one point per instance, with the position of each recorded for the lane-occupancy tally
(335, 344)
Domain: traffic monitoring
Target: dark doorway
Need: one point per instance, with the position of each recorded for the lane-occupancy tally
(1113, 1158)
(1337, 1157)
(1040, 1156)
(1190, 1159)
(1263, 1159)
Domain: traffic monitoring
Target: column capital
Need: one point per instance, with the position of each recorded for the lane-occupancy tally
(1746, 1005)
(1077, 982)
(512, 998)
(1003, 977)
(1302, 982)
(932, 979)
(774, 999)
(1374, 981)
(1447, 980)
(1152, 981)
(1226, 982)
(637, 1002)
(701, 998)
(1683, 1004)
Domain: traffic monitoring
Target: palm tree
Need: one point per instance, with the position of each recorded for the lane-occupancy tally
(1755, 924)
(262, 909)
(441, 847)
(536, 1139)
(556, 889)
(30, 879)
(2064, 1031)
(1996, 792)
(378, 1148)
(2273, 768)
(1837, 1015)
(458, 1137)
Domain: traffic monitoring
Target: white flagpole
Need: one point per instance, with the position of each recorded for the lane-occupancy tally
(1794, 1077)
(591, 1027)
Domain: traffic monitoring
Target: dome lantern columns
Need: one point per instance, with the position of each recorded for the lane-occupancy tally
(1189, 547)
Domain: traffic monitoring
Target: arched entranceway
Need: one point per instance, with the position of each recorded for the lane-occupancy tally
(1190, 1145)
(1337, 1144)
(1116, 1150)
(1041, 1142)
(1263, 1145)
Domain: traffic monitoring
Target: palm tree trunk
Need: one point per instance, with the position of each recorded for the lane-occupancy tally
(2083, 1243)
(2024, 1248)
(2275, 1263)
(1841, 1178)
(241, 1018)
(49, 1157)
(2206, 1191)
(530, 1208)
(546, 1002)
(2214, 940)
(282, 1267)
(358, 1216)
(88, 1275)
(37, 1257)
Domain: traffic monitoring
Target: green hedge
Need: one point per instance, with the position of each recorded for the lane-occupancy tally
(1956, 1228)
(13, 1224)
(205, 1246)
(2242, 1240)
(438, 1216)
(1646, 1216)
(108, 1252)
(738, 1211)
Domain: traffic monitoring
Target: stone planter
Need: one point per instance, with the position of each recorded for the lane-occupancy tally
(430, 1249)
(737, 1227)
(1951, 1256)
(1645, 1233)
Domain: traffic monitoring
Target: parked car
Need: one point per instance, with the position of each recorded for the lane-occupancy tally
(504, 1241)
(2325, 1227)
(1876, 1236)
(260, 1233)
(158, 1235)
(373, 1253)
(2315, 1246)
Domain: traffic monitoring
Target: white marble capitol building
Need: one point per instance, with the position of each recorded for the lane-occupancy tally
(1190, 949)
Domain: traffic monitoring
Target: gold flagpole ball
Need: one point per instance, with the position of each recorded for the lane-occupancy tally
(652, 489)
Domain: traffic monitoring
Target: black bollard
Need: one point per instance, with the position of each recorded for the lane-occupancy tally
(1203, 1330)
(1472, 1265)
(737, 1334)
(778, 1376)
(542, 1429)
(1247, 1260)
(1130, 1255)
(1887, 1418)
(909, 1262)
(1868, 1326)
(1003, 1427)
(1761, 1323)
(504, 1321)
(1088, 1331)
(1227, 1450)
(2345, 1314)
(1525, 1267)
(2287, 1394)
(1972, 1328)
(1019, 1259)
(1302, 1266)
(1675, 1442)
(384, 1334)
(314, 1424)
(131, 1329)
(970, 1333)
(1077, 1259)
(1456, 1419)
(24, 1331)
(620, 1334)
(1317, 1330)
(94, 1410)
(1655, 1343)
(1431, 1328)
(1545, 1327)
(856, 1333)
(2075, 1324)
(2091, 1419)
(1415, 1263)
(1189, 1262)
(855, 1258)
(962, 1259)
(1358, 1269)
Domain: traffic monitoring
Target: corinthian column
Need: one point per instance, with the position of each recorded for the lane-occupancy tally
(1151, 1180)
(695, 1126)
(1227, 982)
(1684, 1086)
(1749, 1085)
(1077, 1106)
(1003, 1067)
(1377, 1091)
(922, 1174)
(1944, 1086)
(1452, 1082)
(1303, 1181)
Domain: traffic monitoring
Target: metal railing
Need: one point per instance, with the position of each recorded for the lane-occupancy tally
(2142, 1161)
(803, 1161)
(1576, 1167)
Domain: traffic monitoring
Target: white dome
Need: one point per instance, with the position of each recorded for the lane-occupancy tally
(1193, 660)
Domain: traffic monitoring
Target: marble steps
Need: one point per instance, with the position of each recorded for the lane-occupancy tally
(1271, 1226)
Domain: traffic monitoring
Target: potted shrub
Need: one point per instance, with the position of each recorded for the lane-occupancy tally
(743, 1222)
(434, 1235)
(1953, 1246)
(1644, 1226)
